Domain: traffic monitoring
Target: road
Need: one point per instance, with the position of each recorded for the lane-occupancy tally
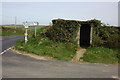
(9, 41)
(15, 65)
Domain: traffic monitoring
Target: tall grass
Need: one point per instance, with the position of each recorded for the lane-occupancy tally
(101, 55)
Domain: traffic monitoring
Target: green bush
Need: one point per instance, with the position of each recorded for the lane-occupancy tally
(113, 41)
(63, 31)
(96, 41)
(107, 36)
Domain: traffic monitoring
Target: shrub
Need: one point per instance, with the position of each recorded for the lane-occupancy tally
(113, 41)
(107, 36)
(96, 41)
(63, 31)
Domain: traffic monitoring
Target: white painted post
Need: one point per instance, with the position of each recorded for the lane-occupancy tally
(26, 35)
(26, 32)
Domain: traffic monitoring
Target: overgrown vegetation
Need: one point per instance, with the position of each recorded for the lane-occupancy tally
(64, 31)
(105, 45)
(60, 41)
(41, 45)
(107, 36)
(67, 30)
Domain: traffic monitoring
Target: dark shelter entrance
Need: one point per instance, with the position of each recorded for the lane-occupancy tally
(85, 35)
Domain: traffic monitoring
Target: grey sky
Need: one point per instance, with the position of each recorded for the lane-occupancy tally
(44, 12)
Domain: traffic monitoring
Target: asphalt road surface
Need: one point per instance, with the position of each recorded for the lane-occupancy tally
(15, 65)
(9, 41)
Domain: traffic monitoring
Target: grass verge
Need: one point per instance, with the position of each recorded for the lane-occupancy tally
(101, 55)
(43, 46)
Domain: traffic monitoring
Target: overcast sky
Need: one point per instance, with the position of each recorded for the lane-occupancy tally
(44, 12)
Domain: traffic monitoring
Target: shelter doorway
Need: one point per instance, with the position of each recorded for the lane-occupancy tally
(85, 31)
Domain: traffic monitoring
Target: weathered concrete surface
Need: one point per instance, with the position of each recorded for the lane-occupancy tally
(79, 54)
